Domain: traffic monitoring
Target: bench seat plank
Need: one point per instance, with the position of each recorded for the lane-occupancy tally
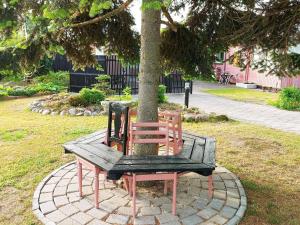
(94, 158)
(154, 160)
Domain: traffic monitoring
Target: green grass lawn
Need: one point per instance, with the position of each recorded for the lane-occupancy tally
(245, 95)
(267, 161)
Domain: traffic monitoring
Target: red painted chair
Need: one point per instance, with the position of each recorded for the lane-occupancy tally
(150, 133)
(117, 134)
(173, 118)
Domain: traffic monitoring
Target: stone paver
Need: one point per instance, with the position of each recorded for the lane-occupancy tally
(117, 219)
(254, 113)
(62, 207)
(144, 220)
(150, 211)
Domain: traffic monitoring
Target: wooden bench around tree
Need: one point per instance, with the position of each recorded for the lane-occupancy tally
(198, 155)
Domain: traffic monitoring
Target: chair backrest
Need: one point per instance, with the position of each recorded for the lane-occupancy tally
(173, 118)
(201, 149)
(149, 133)
(117, 129)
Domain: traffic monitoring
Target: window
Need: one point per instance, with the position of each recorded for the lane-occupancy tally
(219, 57)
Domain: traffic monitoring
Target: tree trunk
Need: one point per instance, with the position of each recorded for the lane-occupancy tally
(150, 72)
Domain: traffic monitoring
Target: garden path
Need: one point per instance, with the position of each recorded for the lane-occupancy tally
(250, 112)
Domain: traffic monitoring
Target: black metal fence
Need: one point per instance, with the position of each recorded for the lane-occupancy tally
(121, 76)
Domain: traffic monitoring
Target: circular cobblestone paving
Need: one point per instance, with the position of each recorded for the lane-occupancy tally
(56, 201)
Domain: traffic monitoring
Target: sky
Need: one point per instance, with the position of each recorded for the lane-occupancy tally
(135, 9)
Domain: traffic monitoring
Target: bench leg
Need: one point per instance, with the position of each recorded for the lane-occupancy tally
(133, 196)
(96, 187)
(79, 174)
(174, 194)
(210, 186)
(166, 187)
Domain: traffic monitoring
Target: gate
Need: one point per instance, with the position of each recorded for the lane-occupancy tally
(120, 76)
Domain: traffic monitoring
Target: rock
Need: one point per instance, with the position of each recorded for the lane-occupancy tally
(72, 111)
(189, 117)
(201, 117)
(46, 112)
(54, 113)
(87, 113)
(105, 105)
(63, 113)
(79, 114)
(41, 110)
(95, 113)
(80, 109)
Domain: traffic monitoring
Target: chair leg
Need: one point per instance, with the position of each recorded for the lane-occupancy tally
(166, 187)
(125, 184)
(130, 187)
(210, 186)
(96, 187)
(133, 196)
(79, 174)
(174, 194)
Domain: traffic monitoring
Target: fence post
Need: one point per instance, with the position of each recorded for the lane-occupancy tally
(187, 90)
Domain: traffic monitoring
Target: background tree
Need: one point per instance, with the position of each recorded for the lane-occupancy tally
(29, 29)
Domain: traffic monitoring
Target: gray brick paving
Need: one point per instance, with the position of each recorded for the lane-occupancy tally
(63, 206)
(117, 219)
(144, 220)
(150, 211)
(82, 218)
(192, 220)
(249, 112)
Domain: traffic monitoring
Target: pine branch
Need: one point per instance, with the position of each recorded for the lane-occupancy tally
(102, 17)
(171, 22)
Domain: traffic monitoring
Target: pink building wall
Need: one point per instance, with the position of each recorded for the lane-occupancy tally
(261, 79)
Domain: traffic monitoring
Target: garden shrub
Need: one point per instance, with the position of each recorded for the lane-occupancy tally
(162, 98)
(60, 78)
(289, 99)
(127, 94)
(77, 101)
(3, 91)
(48, 88)
(27, 91)
(92, 96)
(103, 84)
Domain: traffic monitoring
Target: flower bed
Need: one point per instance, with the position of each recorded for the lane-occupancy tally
(59, 104)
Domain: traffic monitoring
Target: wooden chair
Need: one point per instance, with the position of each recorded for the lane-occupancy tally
(173, 118)
(117, 129)
(116, 134)
(150, 133)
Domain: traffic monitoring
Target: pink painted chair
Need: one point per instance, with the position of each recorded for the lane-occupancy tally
(173, 118)
(117, 134)
(150, 133)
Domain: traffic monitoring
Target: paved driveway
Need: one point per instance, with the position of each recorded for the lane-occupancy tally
(260, 114)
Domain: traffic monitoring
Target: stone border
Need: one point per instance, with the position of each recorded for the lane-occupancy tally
(39, 106)
(35, 201)
(235, 219)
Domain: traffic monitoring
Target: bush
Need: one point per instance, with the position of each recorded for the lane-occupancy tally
(22, 92)
(103, 84)
(289, 99)
(77, 101)
(60, 78)
(48, 88)
(92, 96)
(162, 98)
(3, 91)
